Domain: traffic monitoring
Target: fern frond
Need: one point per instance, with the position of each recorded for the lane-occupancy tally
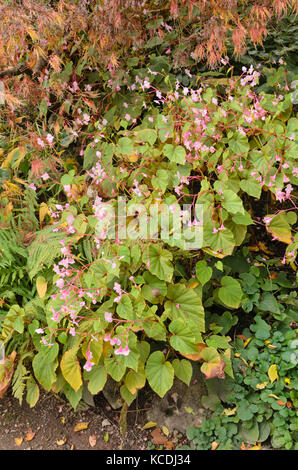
(43, 251)
(19, 379)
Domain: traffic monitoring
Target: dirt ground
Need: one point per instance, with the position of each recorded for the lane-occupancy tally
(53, 425)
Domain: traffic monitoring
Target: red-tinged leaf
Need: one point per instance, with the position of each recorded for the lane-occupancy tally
(158, 438)
(196, 356)
(213, 365)
(30, 435)
(6, 372)
(242, 337)
(214, 445)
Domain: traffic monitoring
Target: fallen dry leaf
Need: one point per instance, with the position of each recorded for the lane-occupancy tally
(30, 435)
(92, 440)
(150, 424)
(81, 426)
(61, 442)
(169, 445)
(165, 431)
(214, 445)
(18, 441)
(158, 438)
(257, 447)
(243, 446)
(105, 422)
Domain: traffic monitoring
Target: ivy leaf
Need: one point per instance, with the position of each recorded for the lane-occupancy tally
(160, 373)
(217, 341)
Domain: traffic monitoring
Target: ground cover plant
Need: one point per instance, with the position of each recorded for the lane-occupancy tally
(148, 206)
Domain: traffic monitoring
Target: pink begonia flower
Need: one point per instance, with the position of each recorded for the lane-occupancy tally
(72, 331)
(70, 219)
(45, 176)
(88, 366)
(50, 138)
(124, 352)
(32, 186)
(60, 283)
(267, 220)
(108, 317)
(39, 331)
(289, 189)
(114, 341)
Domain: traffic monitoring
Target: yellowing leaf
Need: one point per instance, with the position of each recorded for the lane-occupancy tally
(230, 411)
(61, 442)
(150, 424)
(18, 441)
(30, 435)
(271, 395)
(43, 211)
(193, 285)
(41, 286)
(257, 447)
(71, 369)
(261, 386)
(81, 426)
(247, 342)
(214, 445)
(272, 373)
(32, 34)
(165, 430)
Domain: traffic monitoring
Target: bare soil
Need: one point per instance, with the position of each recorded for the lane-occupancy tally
(50, 425)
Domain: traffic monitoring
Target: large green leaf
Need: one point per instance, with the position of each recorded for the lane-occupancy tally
(203, 272)
(175, 154)
(183, 370)
(97, 377)
(182, 339)
(230, 294)
(186, 304)
(160, 373)
(159, 262)
(231, 202)
(44, 366)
